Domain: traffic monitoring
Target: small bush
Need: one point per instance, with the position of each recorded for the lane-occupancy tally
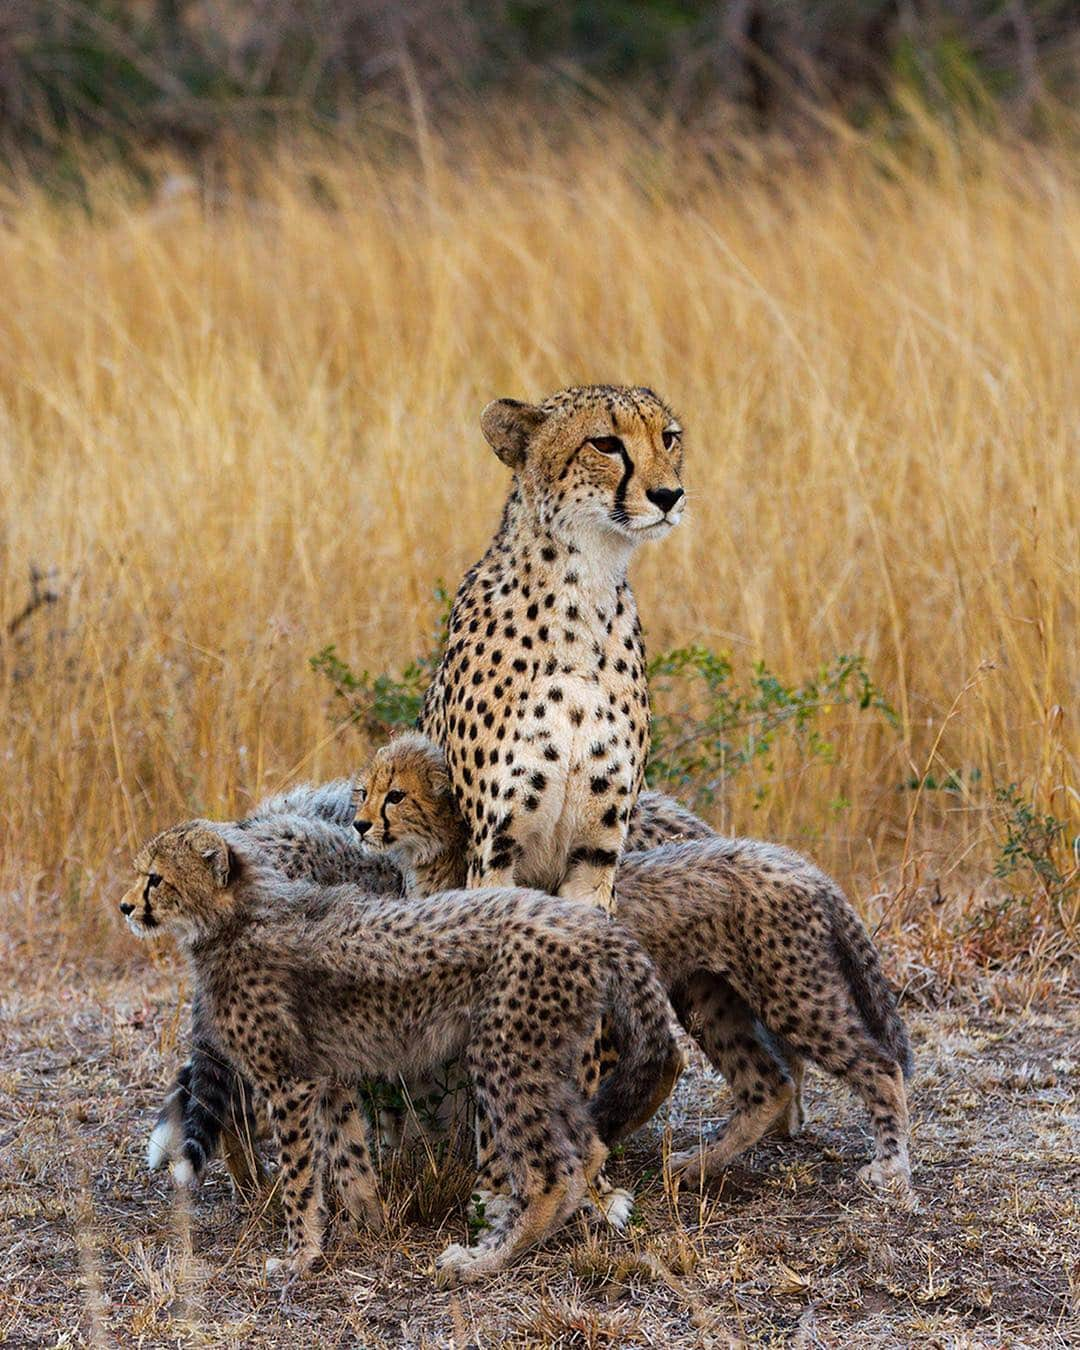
(711, 729)
(734, 725)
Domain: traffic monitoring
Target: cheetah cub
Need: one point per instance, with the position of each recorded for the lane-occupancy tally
(305, 834)
(301, 834)
(765, 962)
(306, 988)
(540, 701)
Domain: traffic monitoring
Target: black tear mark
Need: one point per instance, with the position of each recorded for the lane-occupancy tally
(618, 512)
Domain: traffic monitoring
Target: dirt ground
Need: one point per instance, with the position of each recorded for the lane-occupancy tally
(788, 1251)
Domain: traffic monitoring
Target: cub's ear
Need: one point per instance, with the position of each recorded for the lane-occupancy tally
(509, 427)
(216, 854)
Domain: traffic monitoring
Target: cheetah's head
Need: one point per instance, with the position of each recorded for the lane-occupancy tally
(403, 802)
(184, 875)
(601, 459)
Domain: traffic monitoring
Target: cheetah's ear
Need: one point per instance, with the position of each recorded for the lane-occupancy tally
(509, 427)
(440, 779)
(216, 854)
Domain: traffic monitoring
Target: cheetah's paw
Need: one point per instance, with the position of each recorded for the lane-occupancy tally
(688, 1167)
(616, 1207)
(891, 1177)
(459, 1265)
(286, 1268)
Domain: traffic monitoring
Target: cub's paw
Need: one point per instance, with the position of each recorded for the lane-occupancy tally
(615, 1207)
(281, 1269)
(891, 1177)
(688, 1167)
(458, 1265)
(793, 1121)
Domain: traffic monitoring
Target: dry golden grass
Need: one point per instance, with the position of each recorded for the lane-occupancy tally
(239, 423)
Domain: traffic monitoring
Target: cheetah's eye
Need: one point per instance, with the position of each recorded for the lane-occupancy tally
(359, 795)
(395, 797)
(671, 438)
(607, 445)
(152, 880)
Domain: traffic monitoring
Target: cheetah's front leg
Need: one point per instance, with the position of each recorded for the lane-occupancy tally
(590, 877)
(296, 1112)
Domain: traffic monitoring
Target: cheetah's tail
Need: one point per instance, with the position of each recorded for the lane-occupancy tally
(873, 997)
(166, 1143)
(208, 1105)
(638, 1021)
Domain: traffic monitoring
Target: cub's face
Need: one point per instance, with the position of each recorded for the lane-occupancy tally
(602, 459)
(402, 800)
(182, 876)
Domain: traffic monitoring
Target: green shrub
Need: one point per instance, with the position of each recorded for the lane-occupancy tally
(707, 727)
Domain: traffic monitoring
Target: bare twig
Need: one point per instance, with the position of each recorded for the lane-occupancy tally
(40, 594)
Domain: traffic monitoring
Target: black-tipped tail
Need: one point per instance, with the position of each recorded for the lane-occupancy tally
(209, 1105)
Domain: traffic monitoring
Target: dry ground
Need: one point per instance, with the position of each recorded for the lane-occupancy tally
(788, 1251)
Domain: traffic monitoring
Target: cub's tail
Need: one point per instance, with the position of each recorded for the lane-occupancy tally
(860, 966)
(638, 1023)
(208, 1106)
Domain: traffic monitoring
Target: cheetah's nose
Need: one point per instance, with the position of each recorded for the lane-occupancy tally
(361, 827)
(125, 908)
(664, 498)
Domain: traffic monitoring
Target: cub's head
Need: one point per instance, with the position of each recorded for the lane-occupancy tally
(184, 876)
(403, 801)
(600, 459)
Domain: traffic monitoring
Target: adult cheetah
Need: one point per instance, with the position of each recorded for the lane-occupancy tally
(541, 701)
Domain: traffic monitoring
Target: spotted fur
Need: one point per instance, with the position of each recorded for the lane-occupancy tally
(209, 1105)
(765, 962)
(300, 834)
(540, 702)
(306, 988)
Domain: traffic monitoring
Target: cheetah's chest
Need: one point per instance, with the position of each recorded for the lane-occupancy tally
(564, 765)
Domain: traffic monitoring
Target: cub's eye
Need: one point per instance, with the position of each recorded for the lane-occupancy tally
(607, 445)
(671, 438)
(359, 795)
(394, 797)
(153, 879)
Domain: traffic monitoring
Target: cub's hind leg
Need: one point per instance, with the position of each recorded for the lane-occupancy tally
(545, 1145)
(348, 1157)
(830, 1031)
(297, 1115)
(492, 1187)
(763, 1091)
